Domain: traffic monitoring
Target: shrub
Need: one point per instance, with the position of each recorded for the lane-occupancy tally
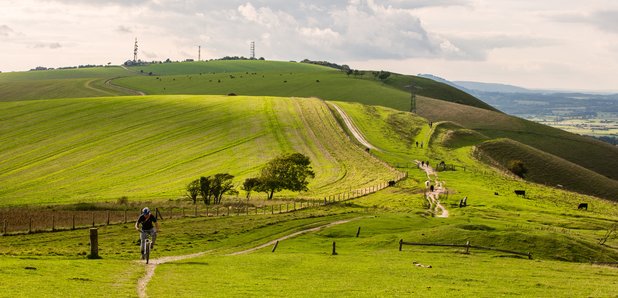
(517, 167)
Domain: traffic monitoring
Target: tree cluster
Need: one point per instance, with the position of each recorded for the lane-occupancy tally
(288, 171)
(211, 188)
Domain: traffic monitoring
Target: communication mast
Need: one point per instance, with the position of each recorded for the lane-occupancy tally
(135, 51)
(199, 53)
(412, 96)
(252, 50)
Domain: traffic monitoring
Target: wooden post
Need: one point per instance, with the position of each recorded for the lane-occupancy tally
(275, 247)
(171, 212)
(400, 244)
(334, 250)
(182, 210)
(125, 215)
(358, 232)
(195, 212)
(4, 227)
(93, 218)
(30, 226)
(73, 226)
(53, 222)
(272, 209)
(94, 243)
(228, 210)
(467, 247)
(107, 223)
(287, 207)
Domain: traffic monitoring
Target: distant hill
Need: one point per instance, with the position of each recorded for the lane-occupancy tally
(491, 87)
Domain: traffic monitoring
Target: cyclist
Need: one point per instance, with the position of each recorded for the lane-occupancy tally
(146, 219)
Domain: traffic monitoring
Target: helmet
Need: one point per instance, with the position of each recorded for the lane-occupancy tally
(146, 210)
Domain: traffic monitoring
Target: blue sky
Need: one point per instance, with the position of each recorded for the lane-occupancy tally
(537, 44)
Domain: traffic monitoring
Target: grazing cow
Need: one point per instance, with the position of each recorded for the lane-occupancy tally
(463, 202)
(521, 193)
(583, 206)
(495, 194)
(367, 149)
(391, 183)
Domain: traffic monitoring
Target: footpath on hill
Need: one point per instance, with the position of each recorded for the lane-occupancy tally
(142, 283)
(433, 196)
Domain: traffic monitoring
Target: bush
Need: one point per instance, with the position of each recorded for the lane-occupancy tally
(517, 167)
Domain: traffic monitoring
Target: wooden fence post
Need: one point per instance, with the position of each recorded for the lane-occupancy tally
(53, 222)
(287, 207)
(217, 211)
(73, 226)
(358, 232)
(94, 243)
(182, 210)
(195, 212)
(30, 226)
(171, 212)
(334, 249)
(294, 205)
(275, 247)
(467, 247)
(400, 244)
(93, 218)
(107, 223)
(125, 215)
(228, 210)
(272, 209)
(4, 227)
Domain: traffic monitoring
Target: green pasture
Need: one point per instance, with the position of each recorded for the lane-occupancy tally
(61, 83)
(150, 148)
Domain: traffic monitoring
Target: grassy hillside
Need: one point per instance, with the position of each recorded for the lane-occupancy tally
(548, 169)
(61, 83)
(583, 151)
(99, 149)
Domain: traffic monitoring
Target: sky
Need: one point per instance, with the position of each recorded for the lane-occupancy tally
(549, 44)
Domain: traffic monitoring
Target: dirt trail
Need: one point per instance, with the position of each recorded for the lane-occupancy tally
(150, 268)
(434, 196)
(357, 134)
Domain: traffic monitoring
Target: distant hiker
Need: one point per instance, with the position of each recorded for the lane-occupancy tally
(427, 184)
(427, 163)
(422, 163)
(430, 124)
(431, 188)
(417, 144)
(421, 144)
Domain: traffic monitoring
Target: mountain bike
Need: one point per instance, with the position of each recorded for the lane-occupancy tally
(145, 246)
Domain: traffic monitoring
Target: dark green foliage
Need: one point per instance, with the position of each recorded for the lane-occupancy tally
(289, 171)
(215, 187)
(249, 185)
(517, 167)
(193, 190)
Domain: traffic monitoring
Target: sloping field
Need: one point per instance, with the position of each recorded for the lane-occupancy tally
(549, 169)
(99, 149)
(586, 152)
(62, 83)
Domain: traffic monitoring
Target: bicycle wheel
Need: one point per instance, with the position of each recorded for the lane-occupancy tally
(147, 251)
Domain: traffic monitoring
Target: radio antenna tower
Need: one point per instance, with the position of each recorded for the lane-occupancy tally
(199, 53)
(253, 50)
(135, 51)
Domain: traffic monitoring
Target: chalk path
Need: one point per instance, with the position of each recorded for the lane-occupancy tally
(434, 196)
(142, 283)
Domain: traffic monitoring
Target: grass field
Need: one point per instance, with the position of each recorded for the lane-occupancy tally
(72, 150)
(146, 148)
(62, 83)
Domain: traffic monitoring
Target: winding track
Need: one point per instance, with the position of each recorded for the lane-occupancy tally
(433, 197)
(142, 283)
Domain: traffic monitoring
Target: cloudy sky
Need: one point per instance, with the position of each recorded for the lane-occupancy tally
(559, 44)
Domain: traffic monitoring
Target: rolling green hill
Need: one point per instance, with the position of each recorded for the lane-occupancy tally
(151, 147)
(548, 169)
(61, 83)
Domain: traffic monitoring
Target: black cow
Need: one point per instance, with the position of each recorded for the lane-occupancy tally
(521, 193)
(391, 183)
(583, 206)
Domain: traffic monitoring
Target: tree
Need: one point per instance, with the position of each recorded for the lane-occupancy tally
(517, 167)
(249, 185)
(193, 190)
(289, 171)
(221, 184)
(383, 75)
(205, 191)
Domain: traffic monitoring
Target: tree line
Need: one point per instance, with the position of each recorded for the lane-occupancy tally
(288, 171)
